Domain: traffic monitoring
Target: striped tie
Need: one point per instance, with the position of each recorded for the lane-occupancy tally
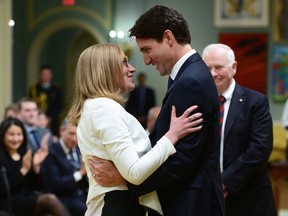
(222, 101)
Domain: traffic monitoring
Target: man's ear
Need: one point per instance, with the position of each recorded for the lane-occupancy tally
(234, 67)
(168, 37)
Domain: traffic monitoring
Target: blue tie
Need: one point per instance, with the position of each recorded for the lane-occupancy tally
(170, 81)
(36, 138)
(73, 161)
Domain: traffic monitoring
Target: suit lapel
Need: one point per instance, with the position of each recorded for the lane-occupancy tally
(237, 102)
(193, 58)
(63, 156)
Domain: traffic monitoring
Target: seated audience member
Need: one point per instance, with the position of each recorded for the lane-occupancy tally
(17, 187)
(151, 118)
(43, 119)
(28, 114)
(44, 122)
(64, 173)
(11, 111)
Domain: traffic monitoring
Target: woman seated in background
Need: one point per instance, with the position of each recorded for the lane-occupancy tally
(19, 178)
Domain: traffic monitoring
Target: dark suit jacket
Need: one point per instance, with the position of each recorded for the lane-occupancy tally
(140, 109)
(189, 182)
(248, 140)
(58, 178)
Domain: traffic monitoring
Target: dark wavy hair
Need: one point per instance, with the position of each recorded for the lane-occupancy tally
(5, 125)
(154, 22)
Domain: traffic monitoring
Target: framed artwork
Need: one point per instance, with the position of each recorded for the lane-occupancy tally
(280, 73)
(251, 55)
(241, 13)
(280, 20)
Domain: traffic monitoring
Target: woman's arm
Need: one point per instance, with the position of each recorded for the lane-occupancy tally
(136, 170)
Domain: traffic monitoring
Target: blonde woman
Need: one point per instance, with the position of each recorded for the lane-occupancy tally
(106, 130)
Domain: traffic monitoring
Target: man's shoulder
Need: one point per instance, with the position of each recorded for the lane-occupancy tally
(249, 92)
(35, 87)
(55, 149)
(56, 85)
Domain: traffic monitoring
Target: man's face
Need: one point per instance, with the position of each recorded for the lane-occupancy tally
(221, 68)
(69, 136)
(46, 75)
(29, 113)
(157, 54)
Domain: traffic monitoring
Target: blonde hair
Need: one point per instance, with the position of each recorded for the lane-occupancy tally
(98, 74)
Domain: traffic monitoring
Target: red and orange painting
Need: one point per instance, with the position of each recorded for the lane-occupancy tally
(251, 55)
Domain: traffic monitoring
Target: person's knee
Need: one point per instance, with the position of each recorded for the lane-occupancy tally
(48, 199)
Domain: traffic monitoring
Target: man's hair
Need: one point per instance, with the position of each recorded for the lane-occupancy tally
(45, 66)
(64, 124)
(23, 100)
(154, 22)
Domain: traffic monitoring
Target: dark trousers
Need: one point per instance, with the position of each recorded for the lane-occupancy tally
(121, 204)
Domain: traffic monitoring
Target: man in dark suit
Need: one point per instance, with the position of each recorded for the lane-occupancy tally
(189, 182)
(141, 99)
(246, 139)
(28, 114)
(64, 173)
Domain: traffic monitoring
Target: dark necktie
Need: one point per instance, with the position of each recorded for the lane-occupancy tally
(222, 101)
(73, 161)
(36, 138)
(170, 81)
(141, 104)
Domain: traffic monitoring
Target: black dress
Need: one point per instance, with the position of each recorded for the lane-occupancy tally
(23, 196)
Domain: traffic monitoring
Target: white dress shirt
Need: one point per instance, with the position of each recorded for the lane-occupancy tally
(228, 96)
(180, 62)
(77, 174)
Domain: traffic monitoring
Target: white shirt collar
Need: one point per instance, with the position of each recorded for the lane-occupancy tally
(228, 93)
(29, 129)
(64, 147)
(180, 62)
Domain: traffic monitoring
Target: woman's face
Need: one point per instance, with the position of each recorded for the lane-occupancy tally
(13, 138)
(128, 71)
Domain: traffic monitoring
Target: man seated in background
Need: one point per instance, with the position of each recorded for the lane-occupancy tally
(64, 173)
(28, 114)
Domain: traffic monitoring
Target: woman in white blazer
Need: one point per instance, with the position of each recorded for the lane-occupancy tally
(106, 130)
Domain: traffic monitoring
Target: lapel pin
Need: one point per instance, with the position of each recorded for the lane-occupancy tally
(240, 100)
